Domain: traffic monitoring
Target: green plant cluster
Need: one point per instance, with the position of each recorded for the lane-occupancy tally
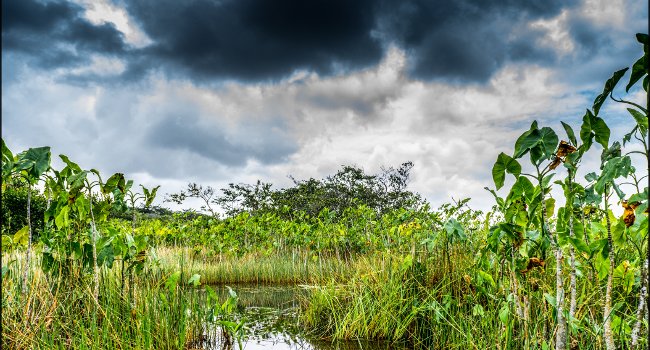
(349, 188)
(527, 275)
(541, 277)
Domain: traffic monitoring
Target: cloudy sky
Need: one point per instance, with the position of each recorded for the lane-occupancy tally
(171, 92)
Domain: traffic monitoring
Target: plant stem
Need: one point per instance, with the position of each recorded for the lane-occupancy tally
(572, 253)
(93, 231)
(29, 240)
(607, 332)
(641, 307)
(560, 335)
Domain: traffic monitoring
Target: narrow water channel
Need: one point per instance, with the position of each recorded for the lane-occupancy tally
(271, 314)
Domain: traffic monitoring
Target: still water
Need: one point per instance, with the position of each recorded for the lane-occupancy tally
(271, 314)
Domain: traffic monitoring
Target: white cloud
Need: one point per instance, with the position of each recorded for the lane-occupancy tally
(370, 118)
(104, 11)
(557, 34)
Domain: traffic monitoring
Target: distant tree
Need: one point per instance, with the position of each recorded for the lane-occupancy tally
(348, 188)
(237, 198)
(193, 190)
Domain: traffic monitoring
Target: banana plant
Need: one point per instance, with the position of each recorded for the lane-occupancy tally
(541, 144)
(638, 203)
(132, 247)
(570, 154)
(30, 165)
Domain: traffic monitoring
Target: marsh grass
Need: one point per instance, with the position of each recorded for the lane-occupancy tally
(60, 313)
(256, 267)
(417, 300)
(419, 303)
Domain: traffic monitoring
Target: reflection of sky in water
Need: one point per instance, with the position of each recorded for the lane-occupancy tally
(271, 313)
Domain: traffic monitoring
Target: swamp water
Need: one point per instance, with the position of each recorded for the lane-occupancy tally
(271, 314)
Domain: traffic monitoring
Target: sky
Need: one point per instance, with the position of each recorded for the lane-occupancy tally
(215, 92)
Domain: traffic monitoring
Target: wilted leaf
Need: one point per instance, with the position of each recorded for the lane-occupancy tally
(556, 162)
(564, 149)
(533, 263)
(628, 213)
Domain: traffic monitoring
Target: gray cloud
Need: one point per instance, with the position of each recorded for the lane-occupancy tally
(256, 40)
(253, 40)
(465, 40)
(54, 34)
(268, 144)
(447, 85)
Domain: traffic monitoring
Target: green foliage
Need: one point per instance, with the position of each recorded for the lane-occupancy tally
(389, 266)
(594, 127)
(349, 188)
(14, 208)
(504, 164)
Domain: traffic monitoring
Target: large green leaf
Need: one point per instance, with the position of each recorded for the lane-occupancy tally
(610, 84)
(570, 133)
(149, 196)
(593, 126)
(640, 118)
(62, 218)
(172, 281)
(638, 197)
(540, 142)
(77, 181)
(525, 142)
(614, 168)
(580, 245)
(106, 256)
(638, 71)
(116, 181)
(504, 164)
(35, 161)
(7, 161)
(70, 164)
(22, 236)
(549, 206)
(597, 246)
(549, 141)
(455, 231)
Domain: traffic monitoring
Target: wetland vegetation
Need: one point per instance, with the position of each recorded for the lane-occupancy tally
(353, 260)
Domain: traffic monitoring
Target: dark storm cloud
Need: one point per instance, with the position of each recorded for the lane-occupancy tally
(251, 40)
(257, 39)
(54, 34)
(268, 143)
(466, 40)
(260, 40)
(586, 35)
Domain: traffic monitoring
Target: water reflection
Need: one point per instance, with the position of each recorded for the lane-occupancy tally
(271, 313)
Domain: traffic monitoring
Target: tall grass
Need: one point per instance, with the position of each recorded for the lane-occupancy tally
(60, 313)
(256, 267)
(394, 298)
